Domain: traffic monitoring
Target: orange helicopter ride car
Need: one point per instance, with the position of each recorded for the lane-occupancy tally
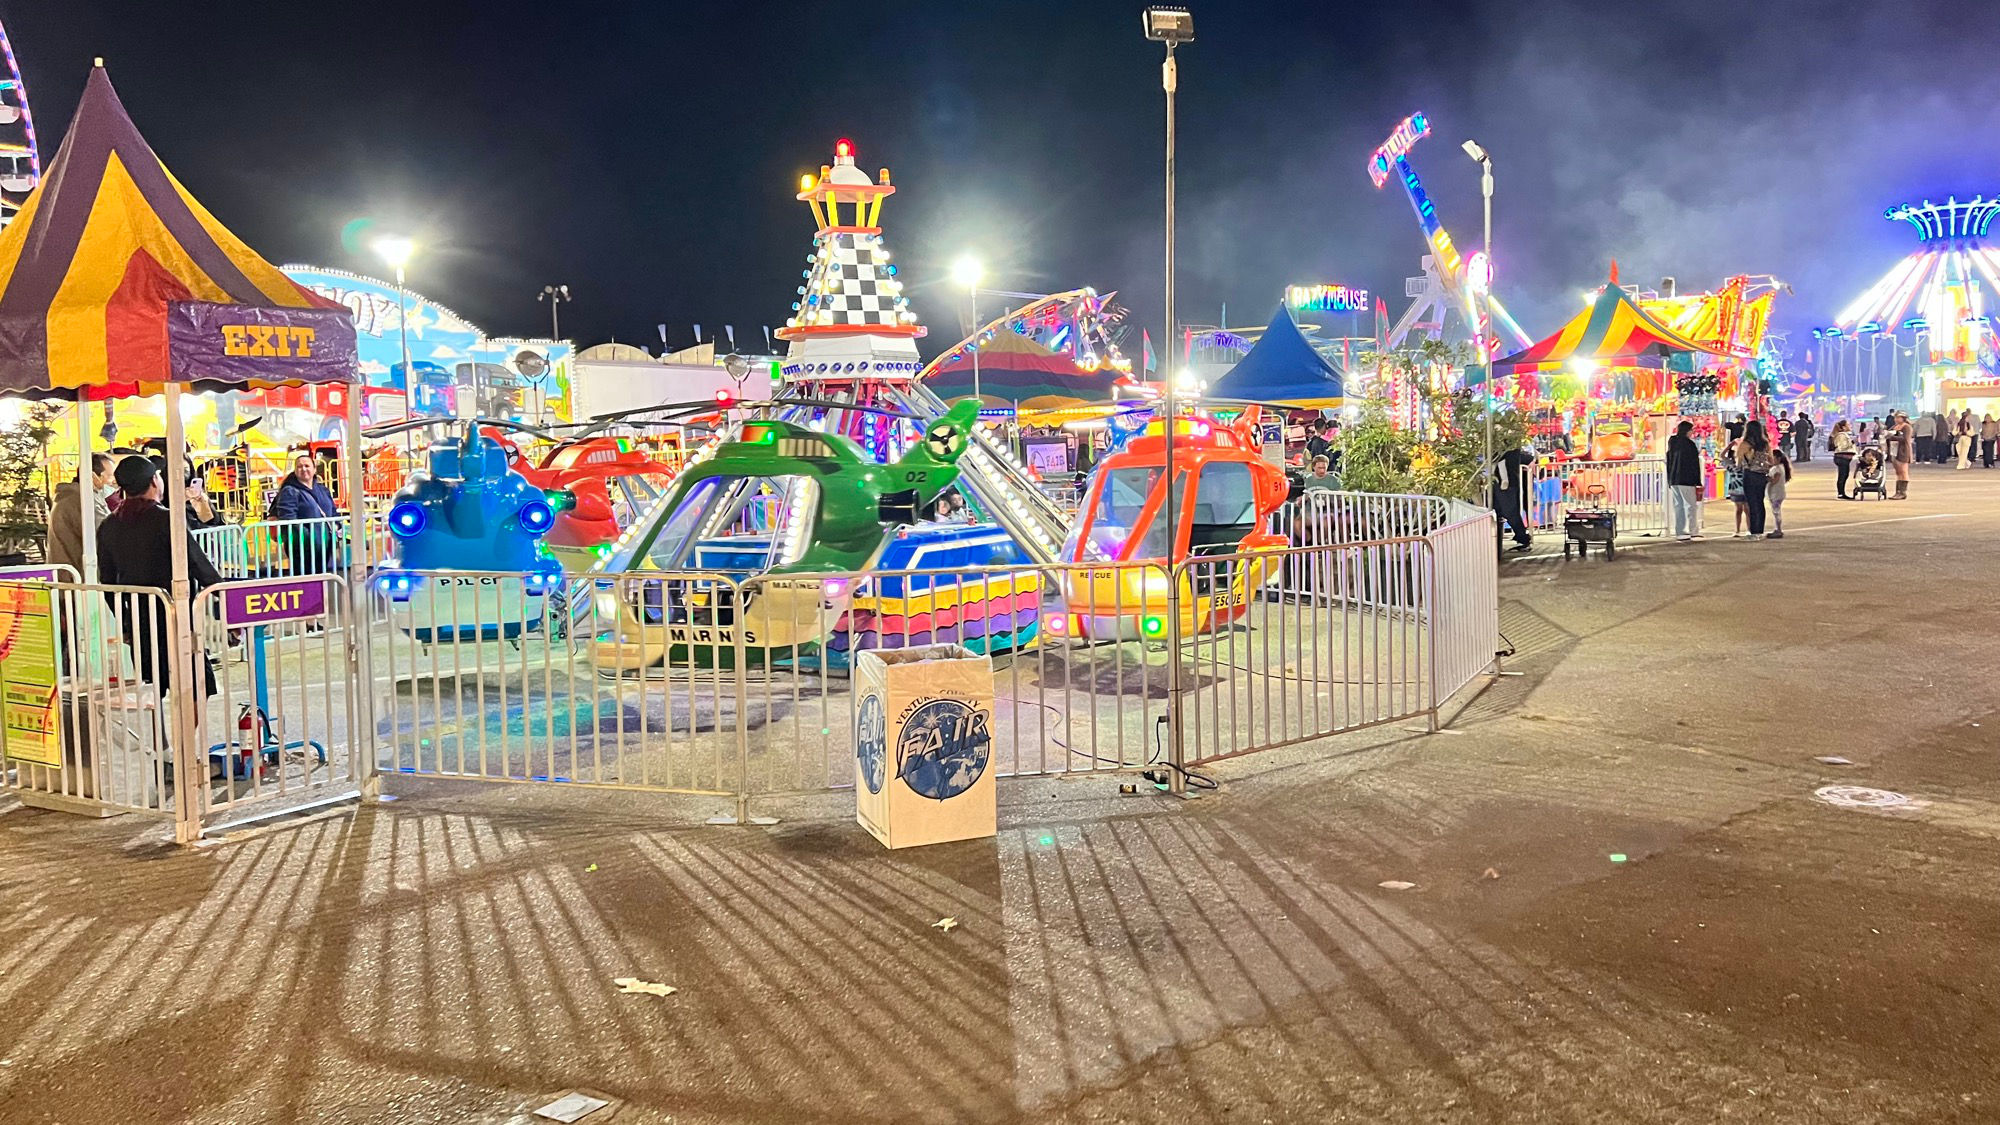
(1225, 494)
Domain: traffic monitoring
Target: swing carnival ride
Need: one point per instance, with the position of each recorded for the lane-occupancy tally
(1931, 312)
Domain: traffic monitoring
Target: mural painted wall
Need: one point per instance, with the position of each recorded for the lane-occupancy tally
(458, 370)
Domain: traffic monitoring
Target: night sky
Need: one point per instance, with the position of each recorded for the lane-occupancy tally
(646, 153)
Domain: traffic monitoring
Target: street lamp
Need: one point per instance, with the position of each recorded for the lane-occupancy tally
(396, 252)
(1173, 27)
(555, 295)
(1479, 153)
(966, 273)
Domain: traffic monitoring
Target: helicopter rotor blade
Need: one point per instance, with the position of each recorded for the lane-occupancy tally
(517, 427)
(391, 429)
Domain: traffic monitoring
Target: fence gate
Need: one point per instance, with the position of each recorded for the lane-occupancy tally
(283, 726)
(1637, 489)
(86, 722)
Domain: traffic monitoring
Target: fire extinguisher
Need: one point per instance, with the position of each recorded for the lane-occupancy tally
(251, 731)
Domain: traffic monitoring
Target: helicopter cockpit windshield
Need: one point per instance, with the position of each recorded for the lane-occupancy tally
(738, 524)
(1125, 518)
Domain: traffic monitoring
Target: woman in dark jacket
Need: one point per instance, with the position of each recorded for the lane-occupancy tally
(301, 496)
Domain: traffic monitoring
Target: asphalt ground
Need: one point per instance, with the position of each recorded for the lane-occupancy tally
(1626, 904)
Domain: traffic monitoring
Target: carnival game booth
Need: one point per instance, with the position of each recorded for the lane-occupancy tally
(115, 282)
(1604, 392)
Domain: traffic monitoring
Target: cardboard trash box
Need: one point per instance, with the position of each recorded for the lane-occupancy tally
(923, 745)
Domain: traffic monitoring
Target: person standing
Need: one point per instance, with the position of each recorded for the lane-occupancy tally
(1961, 438)
(1900, 443)
(1684, 482)
(302, 497)
(1841, 444)
(1989, 439)
(1777, 477)
(1510, 479)
(1732, 479)
(1322, 477)
(1753, 459)
(135, 548)
(1941, 448)
(66, 515)
(1803, 429)
(1781, 429)
(1925, 430)
(1318, 444)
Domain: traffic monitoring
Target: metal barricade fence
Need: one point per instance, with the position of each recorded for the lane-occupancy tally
(87, 670)
(697, 683)
(1321, 518)
(1464, 619)
(693, 682)
(290, 548)
(1637, 489)
(1075, 689)
(1345, 645)
(285, 721)
(624, 681)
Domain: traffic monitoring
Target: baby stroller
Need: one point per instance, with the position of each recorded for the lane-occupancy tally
(1868, 471)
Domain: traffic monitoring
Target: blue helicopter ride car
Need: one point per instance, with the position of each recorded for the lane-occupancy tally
(470, 565)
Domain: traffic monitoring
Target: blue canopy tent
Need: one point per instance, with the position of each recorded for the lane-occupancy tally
(1282, 370)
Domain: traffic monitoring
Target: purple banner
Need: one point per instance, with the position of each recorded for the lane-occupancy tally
(274, 601)
(238, 343)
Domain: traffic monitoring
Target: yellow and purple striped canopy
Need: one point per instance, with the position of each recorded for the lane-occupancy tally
(106, 244)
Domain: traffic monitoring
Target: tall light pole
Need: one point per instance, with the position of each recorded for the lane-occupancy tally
(966, 272)
(555, 295)
(396, 252)
(1485, 284)
(1171, 26)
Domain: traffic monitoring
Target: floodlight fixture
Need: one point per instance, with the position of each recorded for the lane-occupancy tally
(1169, 25)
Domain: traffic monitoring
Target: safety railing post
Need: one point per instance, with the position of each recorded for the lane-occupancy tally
(739, 656)
(360, 654)
(1176, 731)
(1430, 654)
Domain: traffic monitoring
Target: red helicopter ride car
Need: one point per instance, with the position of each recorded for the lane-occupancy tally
(1224, 496)
(596, 483)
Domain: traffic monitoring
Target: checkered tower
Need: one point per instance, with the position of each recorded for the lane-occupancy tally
(851, 322)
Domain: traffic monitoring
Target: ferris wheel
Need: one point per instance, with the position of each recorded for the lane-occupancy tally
(20, 159)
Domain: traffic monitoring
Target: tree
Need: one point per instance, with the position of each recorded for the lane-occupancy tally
(1443, 454)
(24, 482)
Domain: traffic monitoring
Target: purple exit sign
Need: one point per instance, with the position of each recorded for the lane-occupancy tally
(269, 602)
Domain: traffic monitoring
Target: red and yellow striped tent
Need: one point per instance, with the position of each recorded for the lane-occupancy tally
(1612, 332)
(109, 248)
